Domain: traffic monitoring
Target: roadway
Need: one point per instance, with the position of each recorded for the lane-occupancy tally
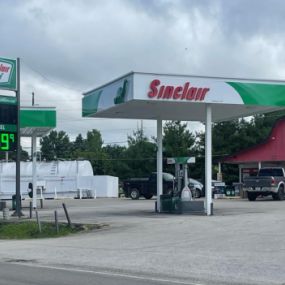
(32, 274)
(243, 243)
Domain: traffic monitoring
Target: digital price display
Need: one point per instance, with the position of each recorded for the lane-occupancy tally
(8, 123)
(8, 141)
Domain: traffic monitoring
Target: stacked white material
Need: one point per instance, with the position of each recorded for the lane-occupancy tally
(56, 179)
(106, 186)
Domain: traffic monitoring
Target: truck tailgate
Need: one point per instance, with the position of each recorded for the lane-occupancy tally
(258, 181)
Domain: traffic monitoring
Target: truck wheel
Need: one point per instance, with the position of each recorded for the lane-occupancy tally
(251, 196)
(280, 193)
(148, 196)
(275, 196)
(135, 194)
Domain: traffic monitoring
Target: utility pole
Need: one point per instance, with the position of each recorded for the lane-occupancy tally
(18, 211)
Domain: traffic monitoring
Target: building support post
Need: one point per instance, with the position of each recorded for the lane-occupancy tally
(208, 160)
(159, 163)
(34, 156)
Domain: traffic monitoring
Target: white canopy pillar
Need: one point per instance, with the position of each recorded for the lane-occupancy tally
(159, 163)
(34, 170)
(208, 159)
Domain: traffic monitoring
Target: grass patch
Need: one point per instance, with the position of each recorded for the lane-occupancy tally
(30, 230)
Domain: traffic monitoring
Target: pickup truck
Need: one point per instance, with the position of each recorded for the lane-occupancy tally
(269, 181)
(147, 187)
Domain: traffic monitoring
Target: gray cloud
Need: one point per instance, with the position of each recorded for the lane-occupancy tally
(68, 47)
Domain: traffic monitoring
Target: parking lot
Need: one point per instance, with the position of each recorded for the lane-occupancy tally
(243, 243)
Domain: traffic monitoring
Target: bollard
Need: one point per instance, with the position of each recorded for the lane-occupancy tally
(42, 202)
(6, 215)
(31, 209)
(155, 207)
(66, 214)
(56, 221)
(38, 221)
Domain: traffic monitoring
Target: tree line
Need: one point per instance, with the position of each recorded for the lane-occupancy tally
(138, 157)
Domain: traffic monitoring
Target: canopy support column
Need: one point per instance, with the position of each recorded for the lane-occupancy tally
(208, 160)
(34, 169)
(159, 163)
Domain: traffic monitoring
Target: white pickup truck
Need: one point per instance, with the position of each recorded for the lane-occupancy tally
(269, 181)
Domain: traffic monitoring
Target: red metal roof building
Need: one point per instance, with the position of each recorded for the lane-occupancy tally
(271, 152)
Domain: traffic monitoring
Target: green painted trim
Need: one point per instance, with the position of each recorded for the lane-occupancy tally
(90, 103)
(38, 118)
(260, 93)
(8, 128)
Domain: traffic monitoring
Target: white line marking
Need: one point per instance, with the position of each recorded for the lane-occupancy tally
(107, 273)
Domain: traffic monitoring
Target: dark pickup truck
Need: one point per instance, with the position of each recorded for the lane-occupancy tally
(269, 181)
(147, 187)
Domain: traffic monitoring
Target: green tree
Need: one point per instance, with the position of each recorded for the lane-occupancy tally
(116, 163)
(197, 170)
(55, 145)
(92, 151)
(140, 155)
(12, 155)
(177, 141)
(77, 147)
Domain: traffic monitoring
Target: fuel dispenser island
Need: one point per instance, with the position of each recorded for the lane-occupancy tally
(181, 199)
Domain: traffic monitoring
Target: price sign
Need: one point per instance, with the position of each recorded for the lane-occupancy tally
(7, 141)
(8, 123)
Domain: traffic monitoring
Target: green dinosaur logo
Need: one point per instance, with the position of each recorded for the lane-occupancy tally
(121, 93)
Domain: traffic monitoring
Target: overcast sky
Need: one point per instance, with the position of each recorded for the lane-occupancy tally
(68, 47)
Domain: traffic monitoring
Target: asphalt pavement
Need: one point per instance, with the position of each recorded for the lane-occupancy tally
(243, 243)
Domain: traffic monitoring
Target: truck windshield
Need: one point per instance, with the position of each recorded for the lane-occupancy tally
(270, 172)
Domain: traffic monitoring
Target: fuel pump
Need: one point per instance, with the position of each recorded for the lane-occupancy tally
(181, 176)
(186, 194)
(181, 201)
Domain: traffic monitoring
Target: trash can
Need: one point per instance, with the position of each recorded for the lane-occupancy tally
(238, 189)
(14, 202)
(230, 191)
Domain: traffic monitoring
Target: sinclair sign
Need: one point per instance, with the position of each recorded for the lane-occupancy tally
(185, 92)
(8, 73)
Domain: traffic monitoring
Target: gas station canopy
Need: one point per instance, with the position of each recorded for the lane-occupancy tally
(37, 121)
(185, 98)
(179, 97)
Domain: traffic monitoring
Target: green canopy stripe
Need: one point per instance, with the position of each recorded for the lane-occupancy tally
(38, 118)
(90, 103)
(260, 94)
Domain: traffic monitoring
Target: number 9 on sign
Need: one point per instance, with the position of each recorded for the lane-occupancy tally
(7, 141)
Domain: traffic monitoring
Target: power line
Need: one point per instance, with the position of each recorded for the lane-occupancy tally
(49, 80)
